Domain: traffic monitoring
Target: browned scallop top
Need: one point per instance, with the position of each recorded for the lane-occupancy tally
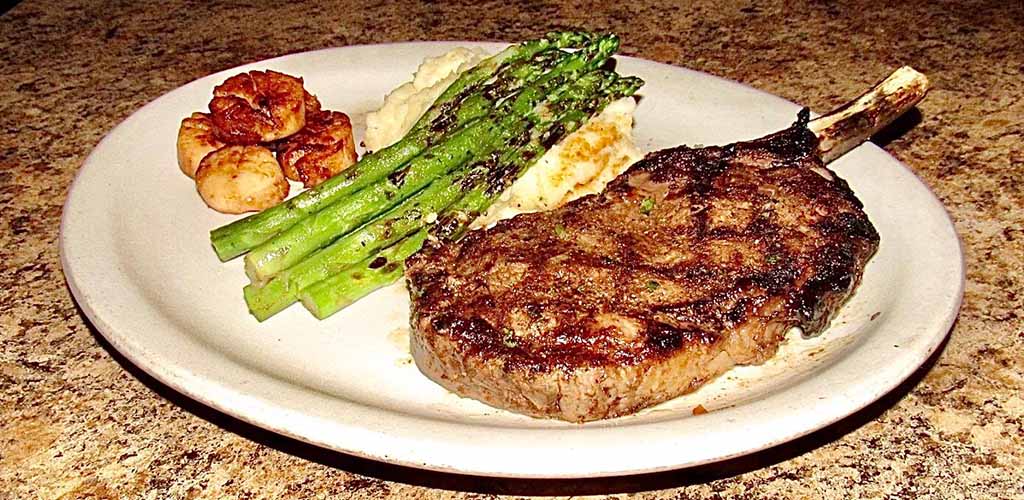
(322, 149)
(252, 107)
(683, 247)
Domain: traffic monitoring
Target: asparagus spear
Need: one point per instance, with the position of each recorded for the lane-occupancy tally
(319, 229)
(401, 220)
(466, 84)
(408, 217)
(359, 280)
(456, 219)
(338, 291)
(236, 238)
(476, 139)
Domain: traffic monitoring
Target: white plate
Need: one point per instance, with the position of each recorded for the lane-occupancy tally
(136, 255)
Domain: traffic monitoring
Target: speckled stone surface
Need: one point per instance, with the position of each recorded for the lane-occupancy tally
(77, 421)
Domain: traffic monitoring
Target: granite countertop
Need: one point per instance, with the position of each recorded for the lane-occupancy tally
(78, 421)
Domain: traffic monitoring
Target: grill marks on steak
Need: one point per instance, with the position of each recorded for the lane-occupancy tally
(689, 262)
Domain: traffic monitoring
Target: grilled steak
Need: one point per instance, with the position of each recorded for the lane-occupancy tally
(692, 261)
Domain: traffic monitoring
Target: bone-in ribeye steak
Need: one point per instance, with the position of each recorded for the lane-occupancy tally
(692, 261)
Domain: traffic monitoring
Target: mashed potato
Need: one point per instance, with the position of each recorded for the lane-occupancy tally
(404, 105)
(581, 164)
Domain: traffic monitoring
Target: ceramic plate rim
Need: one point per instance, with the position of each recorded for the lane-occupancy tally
(253, 405)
